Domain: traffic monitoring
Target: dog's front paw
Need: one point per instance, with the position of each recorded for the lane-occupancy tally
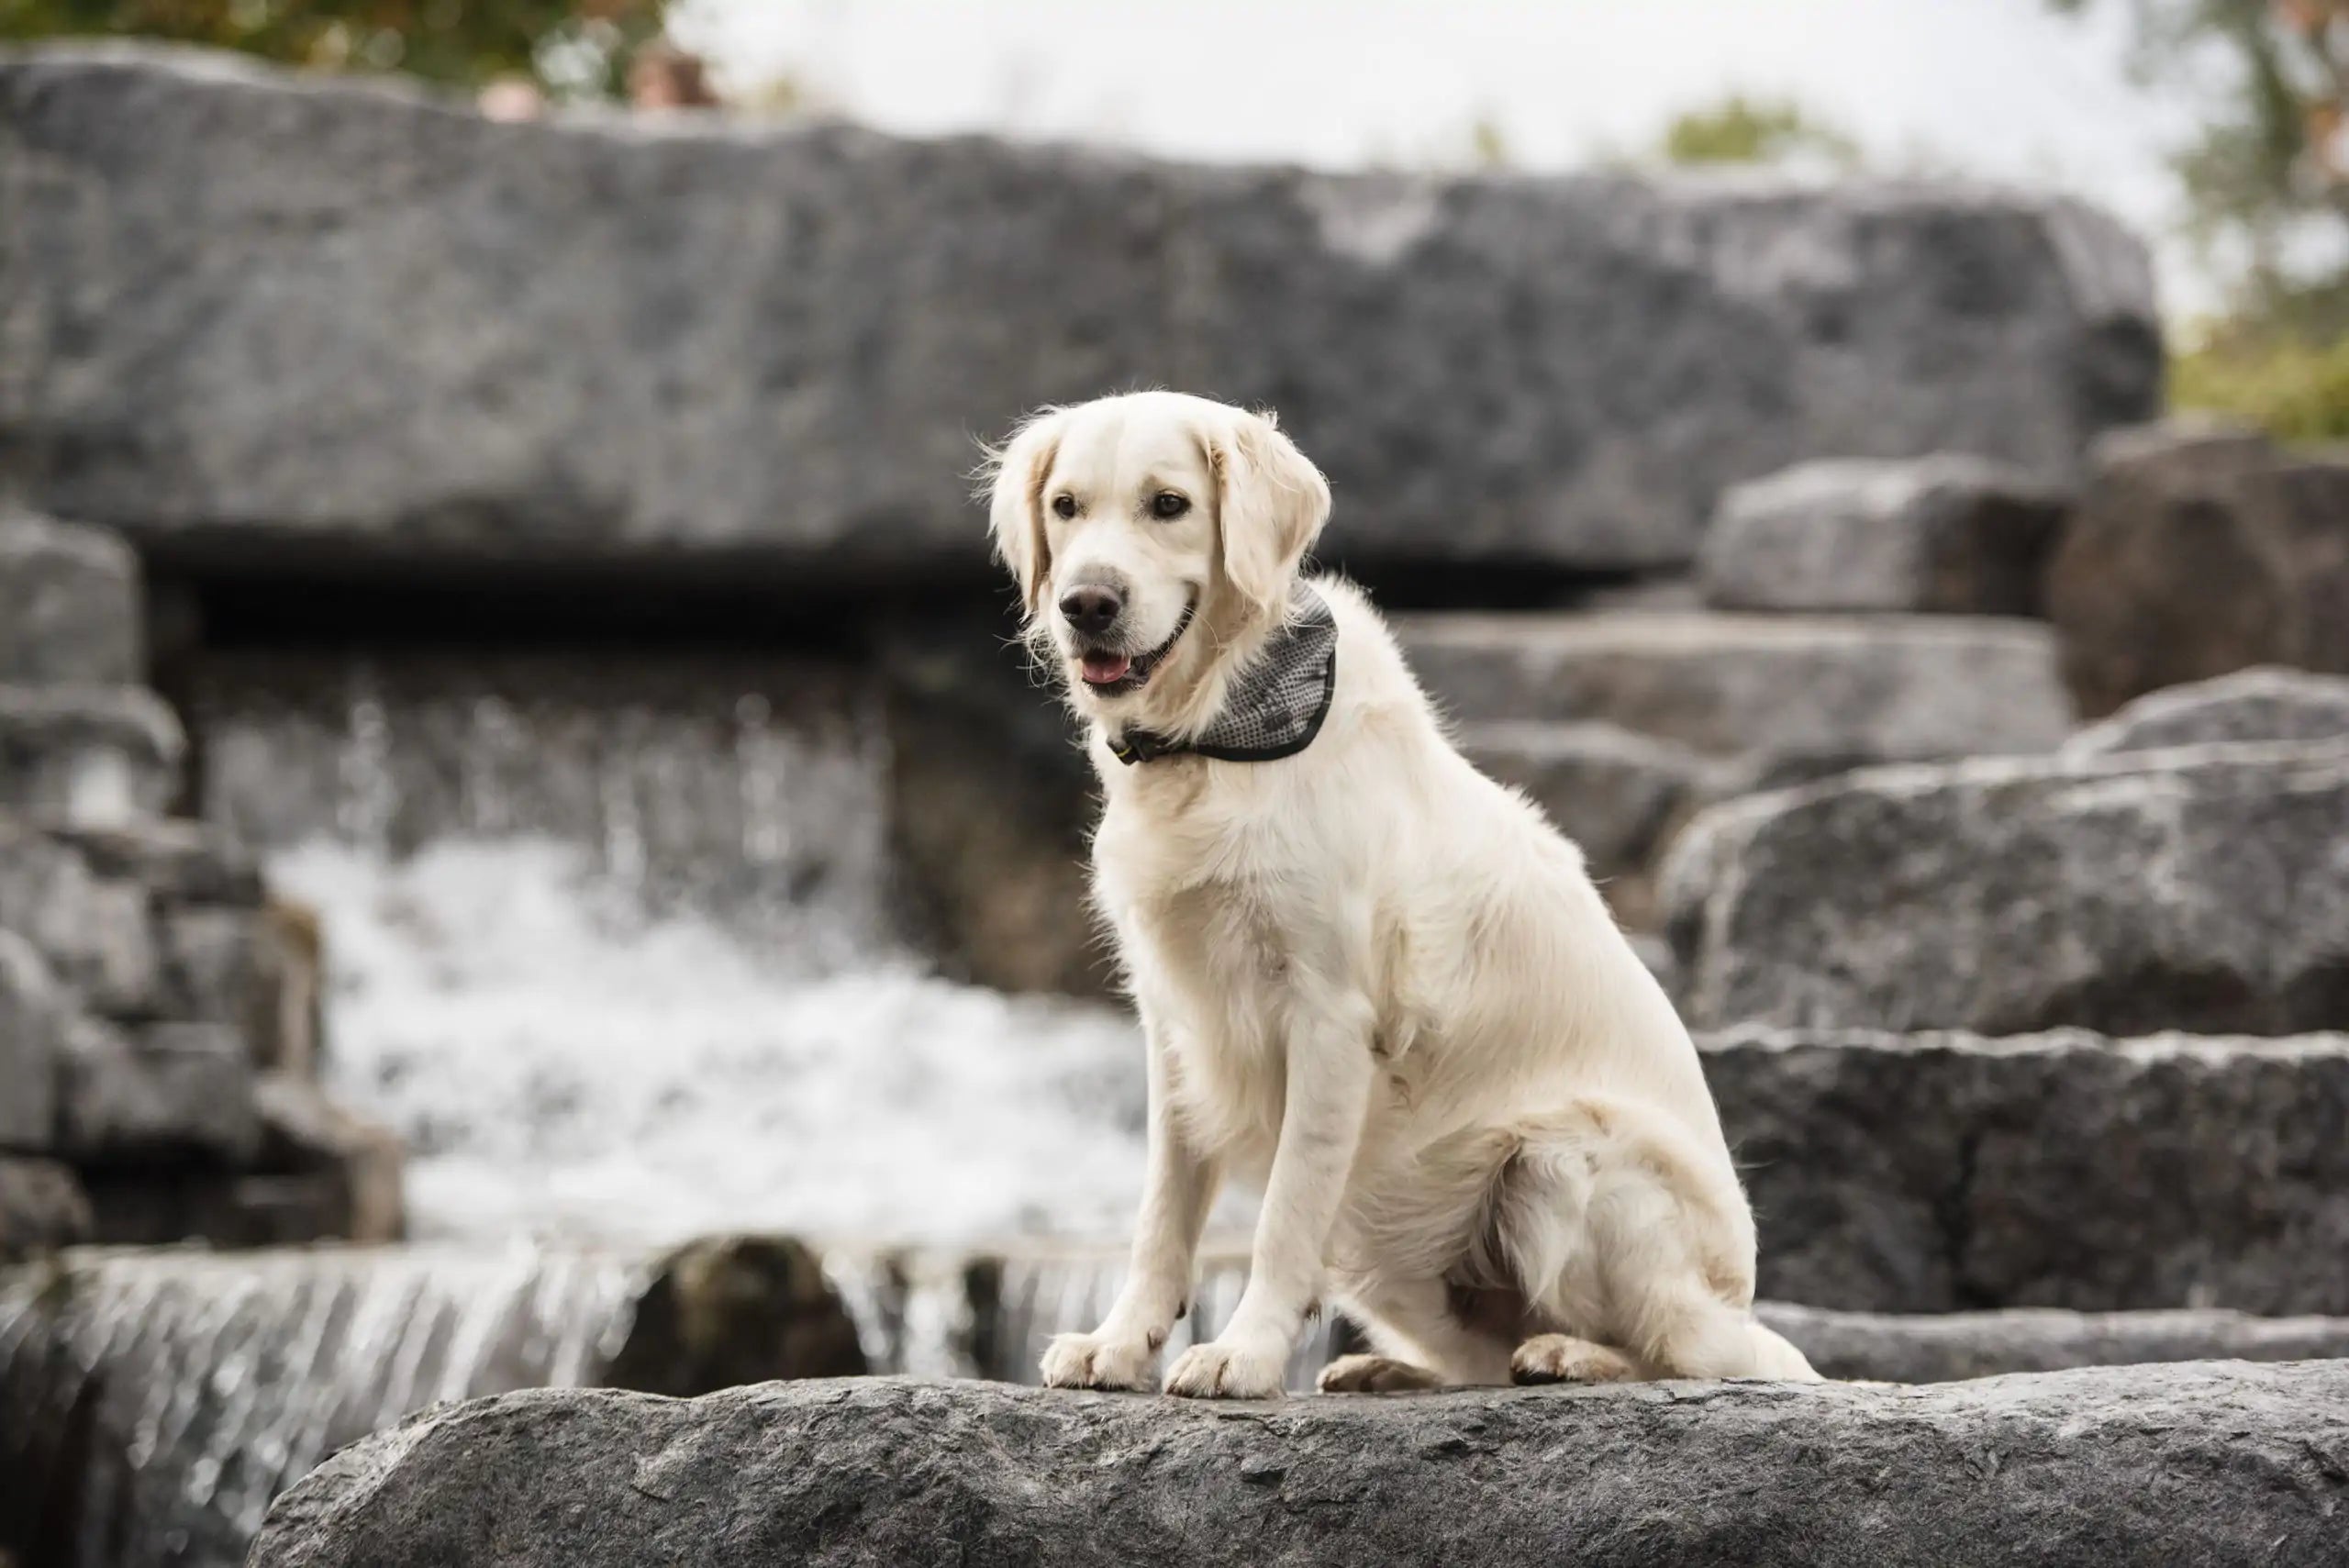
(1219, 1371)
(1091, 1360)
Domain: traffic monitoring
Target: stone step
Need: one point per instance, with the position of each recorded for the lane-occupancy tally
(69, 603)
(1795, 694)
(1949, 1347)
(2263, 703)
(87, 755)
(2201, 1462)
(1949, 534)
(2199, 888)
(1937, 1171)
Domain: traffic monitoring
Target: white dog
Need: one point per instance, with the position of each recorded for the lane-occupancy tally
(1374, 983)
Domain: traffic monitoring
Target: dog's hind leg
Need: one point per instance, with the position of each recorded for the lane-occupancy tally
(1617, 1226)
(1427, 1341)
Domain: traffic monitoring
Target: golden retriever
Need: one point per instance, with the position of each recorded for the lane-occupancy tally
(1374, 984)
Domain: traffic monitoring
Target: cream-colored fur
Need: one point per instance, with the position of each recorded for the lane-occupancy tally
(1374, 984)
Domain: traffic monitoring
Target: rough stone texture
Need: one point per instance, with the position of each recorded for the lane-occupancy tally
(69, 603)
(2197, 888)
(154, 921)
(2259, 704)
(156, 1094)
(1948, 1347)
(1616, 793)
(734, 1309)
(1797, 694)
(42, 1207)
(101, 755)
(32, 1016)
(2197, 551)
(2206, 1462)
(1948, 534)
(341, 316)
(1938, 1172)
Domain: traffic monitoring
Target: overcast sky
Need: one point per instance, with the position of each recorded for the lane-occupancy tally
(1997, 87)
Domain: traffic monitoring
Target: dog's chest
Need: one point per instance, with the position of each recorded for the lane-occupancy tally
(1217, 958)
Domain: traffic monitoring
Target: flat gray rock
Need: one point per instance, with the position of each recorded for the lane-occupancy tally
(2196, 551)
(250, 310)
(1949, 1347)
(1949, 534)
(1791, 694)
(2201, 888)
(70, 607)
(2203, 1464)
(2263, 702)
(1934, 1173)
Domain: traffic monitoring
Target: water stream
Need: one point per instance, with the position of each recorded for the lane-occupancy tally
(608, 946)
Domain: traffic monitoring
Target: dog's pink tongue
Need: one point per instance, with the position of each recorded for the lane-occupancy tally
(1101, 669)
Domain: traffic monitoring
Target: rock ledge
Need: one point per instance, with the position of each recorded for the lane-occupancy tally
(2204, 1463)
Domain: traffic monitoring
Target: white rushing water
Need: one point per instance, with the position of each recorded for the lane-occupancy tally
(563, 1063)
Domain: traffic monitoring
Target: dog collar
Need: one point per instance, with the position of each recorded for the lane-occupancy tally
(1273, 708)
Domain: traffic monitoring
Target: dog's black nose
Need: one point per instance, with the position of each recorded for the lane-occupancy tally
(1092, 608)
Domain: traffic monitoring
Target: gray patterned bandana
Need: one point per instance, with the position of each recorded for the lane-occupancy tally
(1275, 707)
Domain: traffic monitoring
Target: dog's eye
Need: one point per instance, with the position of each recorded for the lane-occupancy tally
(1166, 503)
(1064, 505)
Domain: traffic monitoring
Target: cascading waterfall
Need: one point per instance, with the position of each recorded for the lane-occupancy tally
(164, 1397)
(609, 947)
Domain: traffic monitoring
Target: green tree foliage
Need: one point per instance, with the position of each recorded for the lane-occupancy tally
(2266, 182)
(575, 48)
(1743, 130)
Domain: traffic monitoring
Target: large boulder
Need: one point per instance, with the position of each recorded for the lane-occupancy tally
(101, 755)
(2197, 888)
(251, 307)
(70, 605)
(1794, 695)
(2204, 1463)
(1937, 1171)
(1949, 1347)
(2260, 703)
(2197, 551)
(1949, 534)
(734, 1309)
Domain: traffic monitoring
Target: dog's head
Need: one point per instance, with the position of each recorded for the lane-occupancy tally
(1151, 535)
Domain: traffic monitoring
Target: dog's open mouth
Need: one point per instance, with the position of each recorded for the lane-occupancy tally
(1114, 674)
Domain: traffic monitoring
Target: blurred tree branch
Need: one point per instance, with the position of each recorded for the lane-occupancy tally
(573, 49)
(2265, 181)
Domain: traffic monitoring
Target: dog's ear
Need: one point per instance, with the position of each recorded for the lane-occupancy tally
(1014, 477)
(1271, 504)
